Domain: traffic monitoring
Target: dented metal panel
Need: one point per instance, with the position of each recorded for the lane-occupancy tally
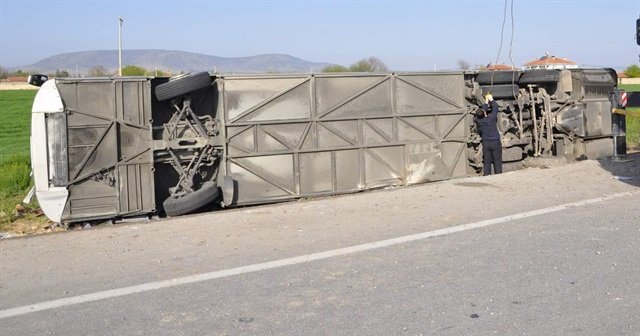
(306, 135)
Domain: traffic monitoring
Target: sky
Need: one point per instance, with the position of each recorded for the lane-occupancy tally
(407, 35)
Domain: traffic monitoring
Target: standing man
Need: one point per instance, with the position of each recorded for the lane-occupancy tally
(487, 121)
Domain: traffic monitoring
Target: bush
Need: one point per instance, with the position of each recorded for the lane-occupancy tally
(633, 71)
(335, 68)
(133, 70)
(371, 64)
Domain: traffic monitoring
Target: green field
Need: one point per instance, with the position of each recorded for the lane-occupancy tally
(15, 121)
(633, 122)
(629, 87)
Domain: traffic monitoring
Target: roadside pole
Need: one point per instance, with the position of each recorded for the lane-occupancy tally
(120, 46)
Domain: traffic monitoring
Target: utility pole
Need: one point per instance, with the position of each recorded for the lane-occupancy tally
(120, 46)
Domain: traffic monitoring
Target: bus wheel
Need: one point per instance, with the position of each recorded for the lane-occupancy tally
(193, 201)
(182, 84)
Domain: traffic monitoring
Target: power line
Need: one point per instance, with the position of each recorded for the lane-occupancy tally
(512, 33)
(513, 66)
(504, 20)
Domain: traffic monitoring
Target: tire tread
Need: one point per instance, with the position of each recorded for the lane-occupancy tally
(191, 202)
(182, 85)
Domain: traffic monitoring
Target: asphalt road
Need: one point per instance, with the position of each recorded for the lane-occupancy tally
(533, 252)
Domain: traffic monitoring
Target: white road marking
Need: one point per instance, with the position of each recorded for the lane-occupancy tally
(108, 294)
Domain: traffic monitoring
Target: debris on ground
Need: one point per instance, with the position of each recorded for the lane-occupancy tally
(19, 211)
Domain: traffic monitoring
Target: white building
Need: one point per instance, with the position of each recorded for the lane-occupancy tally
(550, 62)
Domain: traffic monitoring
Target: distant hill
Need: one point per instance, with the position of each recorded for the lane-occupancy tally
(171, 61)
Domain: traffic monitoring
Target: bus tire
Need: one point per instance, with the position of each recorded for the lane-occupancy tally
(193, 201)
(181, 85)
(499, 77)
(539, 76)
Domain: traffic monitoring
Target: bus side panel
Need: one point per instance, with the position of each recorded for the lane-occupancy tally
(309, 135)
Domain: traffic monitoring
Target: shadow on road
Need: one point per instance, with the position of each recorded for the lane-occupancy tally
(625, 170)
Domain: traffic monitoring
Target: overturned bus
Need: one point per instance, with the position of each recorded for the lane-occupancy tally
(109, 148)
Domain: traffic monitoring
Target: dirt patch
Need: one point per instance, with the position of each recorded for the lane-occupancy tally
(27, 226)
(16, 86)
(25, 221)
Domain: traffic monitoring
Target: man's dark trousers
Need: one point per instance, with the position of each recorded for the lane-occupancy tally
(492, 153)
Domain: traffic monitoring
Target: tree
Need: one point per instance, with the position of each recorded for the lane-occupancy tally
(463, 65)
(377, 64)
(99, 71)
(18, 73)
(3, 72)
(360, 66)
(60, 73)
(133, 70)
(335, 68)
(633, 71)
(371, 64)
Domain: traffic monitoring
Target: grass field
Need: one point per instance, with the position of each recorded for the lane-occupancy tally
(629, 87)
(15, 121)
(633, 122)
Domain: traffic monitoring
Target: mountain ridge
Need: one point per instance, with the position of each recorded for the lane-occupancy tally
(172, 61)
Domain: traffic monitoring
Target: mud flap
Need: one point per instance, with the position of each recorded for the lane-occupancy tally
(228, 191)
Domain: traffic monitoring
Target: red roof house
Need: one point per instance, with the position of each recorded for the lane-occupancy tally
(550, 62)
(498, 67)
